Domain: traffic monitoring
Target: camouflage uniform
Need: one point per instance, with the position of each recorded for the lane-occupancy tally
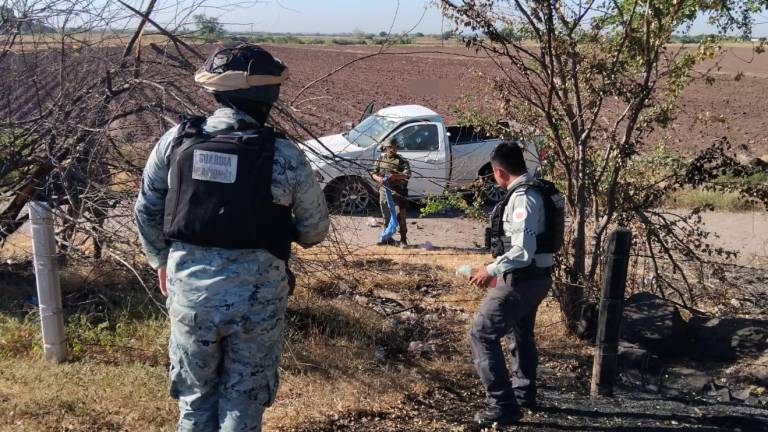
(509, 308)
(226, 307)
(394, 165)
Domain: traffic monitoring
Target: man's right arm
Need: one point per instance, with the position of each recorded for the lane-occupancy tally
(149, 210)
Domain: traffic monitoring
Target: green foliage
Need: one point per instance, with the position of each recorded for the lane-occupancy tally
(440, 204)
(15, 146)
(312, 41)
(19, 336)
(114, 338)
(697, 39)
(364, 39)
(657, 166)
(121, 337)
(710, 199)
(288, 39)
(347, 42)
(209, 28)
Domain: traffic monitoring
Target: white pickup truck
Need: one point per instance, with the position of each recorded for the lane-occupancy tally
(441, 157)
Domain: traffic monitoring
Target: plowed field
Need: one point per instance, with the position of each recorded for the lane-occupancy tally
(733, 106)
(439, 78)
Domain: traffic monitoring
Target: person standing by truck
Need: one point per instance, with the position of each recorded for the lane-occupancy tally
(393, 171)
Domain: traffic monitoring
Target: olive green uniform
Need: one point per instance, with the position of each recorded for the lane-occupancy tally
(387, 165)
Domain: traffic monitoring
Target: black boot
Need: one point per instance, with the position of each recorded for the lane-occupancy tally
(526, 400)
(498, 416)
(528, 404)
(403, 241)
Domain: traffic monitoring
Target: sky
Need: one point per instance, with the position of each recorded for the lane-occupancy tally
(346, 16)
(333, 16)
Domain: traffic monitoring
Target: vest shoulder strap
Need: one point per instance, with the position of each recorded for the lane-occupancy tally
(508, 196)
(191, 125)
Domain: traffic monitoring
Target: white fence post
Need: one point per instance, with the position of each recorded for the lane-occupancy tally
(47, 278)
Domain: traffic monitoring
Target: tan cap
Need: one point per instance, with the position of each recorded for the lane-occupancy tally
(236, 80)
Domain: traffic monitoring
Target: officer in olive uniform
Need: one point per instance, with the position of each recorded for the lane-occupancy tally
(523, 278)
(221, 200)
(397, 170)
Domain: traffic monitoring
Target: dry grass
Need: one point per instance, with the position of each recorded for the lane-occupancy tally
(83, 396)
(717, 200)
(117, 380)
(18, 245)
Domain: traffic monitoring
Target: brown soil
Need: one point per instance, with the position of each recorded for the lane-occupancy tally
(438, 78)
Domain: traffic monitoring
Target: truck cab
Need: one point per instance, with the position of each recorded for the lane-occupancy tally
(441, 157)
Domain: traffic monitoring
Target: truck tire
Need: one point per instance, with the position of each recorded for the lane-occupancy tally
(491, 192)
(349, 195)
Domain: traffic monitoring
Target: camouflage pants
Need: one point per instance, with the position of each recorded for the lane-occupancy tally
(226, 338)
(401, 205)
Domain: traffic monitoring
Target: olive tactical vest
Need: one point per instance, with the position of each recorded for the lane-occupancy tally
(220, 192)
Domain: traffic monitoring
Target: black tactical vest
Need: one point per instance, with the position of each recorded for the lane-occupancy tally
(550, 241)
(220, 192)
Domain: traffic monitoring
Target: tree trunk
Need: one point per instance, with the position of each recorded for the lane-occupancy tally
(573, 293)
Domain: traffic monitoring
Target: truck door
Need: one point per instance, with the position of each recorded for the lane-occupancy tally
(424, 146)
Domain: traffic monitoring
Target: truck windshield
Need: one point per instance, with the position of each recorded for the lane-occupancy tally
(371, 130)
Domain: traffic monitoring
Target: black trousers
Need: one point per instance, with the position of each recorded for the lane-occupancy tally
(508, 310)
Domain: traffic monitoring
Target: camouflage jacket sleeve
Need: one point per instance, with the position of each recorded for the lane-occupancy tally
(521, 223)
(150, 205)
(310, 211)
(377, 167)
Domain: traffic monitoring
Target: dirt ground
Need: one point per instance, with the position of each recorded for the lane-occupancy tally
(324, 390)
(448, 399)
(746, 233)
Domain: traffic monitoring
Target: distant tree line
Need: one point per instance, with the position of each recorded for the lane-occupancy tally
(10, 23)
(701, 38)
(211, 29)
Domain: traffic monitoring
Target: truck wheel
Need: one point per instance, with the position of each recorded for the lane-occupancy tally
(489, 190)
(350, 195)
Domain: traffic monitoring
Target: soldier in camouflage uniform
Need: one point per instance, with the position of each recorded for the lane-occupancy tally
(227, 305)
(397, 170)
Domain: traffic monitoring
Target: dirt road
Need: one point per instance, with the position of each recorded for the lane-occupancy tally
(746, 233)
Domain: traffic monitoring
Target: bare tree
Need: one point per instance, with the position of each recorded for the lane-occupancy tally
(84, 85)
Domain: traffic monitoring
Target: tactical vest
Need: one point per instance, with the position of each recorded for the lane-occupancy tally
(220, 192)
(549, 241)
